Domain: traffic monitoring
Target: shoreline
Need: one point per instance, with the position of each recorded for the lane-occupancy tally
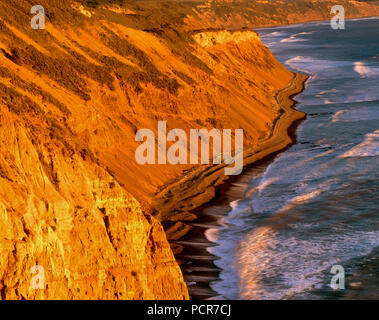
(313, 21)
(179, 204)
(272, 26)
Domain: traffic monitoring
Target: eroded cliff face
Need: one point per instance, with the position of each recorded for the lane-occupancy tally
(68, 215)
(60, 207)
(236, 14)
(72, 198)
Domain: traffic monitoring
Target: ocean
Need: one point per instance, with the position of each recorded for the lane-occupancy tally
(314, 205)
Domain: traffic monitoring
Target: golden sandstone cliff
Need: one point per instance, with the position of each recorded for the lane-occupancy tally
(235, 14)
(72, 96)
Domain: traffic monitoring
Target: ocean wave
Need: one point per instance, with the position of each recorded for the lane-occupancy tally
(356, 115)
(338, 114)
(262, 185)
(275, 33)
(298, 63)
(269, 44)
(368, 148)
(364, 70)
(314, 66)
(212, 234)
(303, 198)
(334, 90)
(295, 59)
(297, 264)
(294, 38)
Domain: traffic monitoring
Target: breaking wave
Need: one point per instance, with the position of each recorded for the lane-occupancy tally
(364, 70)
(368, 148)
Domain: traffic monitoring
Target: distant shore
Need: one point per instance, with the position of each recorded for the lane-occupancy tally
(178, 204)
(311, 21)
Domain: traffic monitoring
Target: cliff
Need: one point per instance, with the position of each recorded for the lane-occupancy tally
(68, 215)
(72, 96)
(237, 14)
(61, 207)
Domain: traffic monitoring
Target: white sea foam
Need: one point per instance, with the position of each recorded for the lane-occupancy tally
(212, 234)
(234, 204)
(275, 33)
(368, 148)
(338, 114)
(294, 37)
(303, 198)
(298, 63)
(327, 91)
(312, 65)
(264, 183)
(295, 59)
(364, 70)
(298, 263)
(356, 115)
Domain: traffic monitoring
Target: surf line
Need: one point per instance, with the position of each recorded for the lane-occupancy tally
(177, 153)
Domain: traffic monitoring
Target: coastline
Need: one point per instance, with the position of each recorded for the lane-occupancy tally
(272, 26)
(77, 202)
(178, 205)
(348, 18)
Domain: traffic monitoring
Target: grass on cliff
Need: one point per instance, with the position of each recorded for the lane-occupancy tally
(68, 69)
(276, 11)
